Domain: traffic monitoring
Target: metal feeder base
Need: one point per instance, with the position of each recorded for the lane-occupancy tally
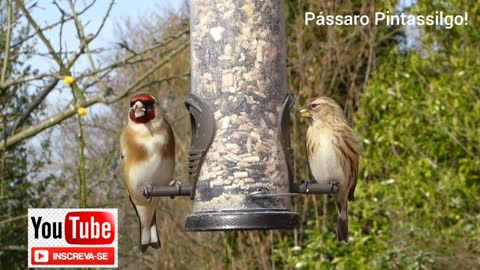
(236, 220)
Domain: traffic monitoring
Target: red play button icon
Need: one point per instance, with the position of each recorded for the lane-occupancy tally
(40, 255)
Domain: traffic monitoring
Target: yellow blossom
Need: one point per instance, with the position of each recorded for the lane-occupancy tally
(82, 111)
(68, 80)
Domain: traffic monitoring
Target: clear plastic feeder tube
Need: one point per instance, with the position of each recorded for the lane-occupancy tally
(239, 71)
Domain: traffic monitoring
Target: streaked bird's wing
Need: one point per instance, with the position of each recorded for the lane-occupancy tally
(354, 159)
(309, 149)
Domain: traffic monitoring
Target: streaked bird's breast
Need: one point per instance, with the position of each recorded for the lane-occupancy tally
(324, 163)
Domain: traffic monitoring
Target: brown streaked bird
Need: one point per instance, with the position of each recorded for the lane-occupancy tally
(148, 153)
(333, 154)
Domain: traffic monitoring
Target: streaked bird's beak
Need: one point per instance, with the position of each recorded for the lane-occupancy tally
(304, 113)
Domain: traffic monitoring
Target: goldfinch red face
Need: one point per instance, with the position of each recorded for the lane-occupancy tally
(142, 108)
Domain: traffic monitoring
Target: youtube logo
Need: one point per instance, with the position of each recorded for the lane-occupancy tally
(40, 256)
(72, 238)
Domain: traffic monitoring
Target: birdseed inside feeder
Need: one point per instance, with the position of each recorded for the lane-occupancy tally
(239, 104)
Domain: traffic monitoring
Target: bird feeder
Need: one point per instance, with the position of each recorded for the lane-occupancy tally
(239, 87)
(240, 162)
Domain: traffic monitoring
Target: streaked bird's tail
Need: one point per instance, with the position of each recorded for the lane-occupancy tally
(342, 230)
(342, 222)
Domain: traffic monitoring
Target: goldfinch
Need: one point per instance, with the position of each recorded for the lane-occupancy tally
(148, 153)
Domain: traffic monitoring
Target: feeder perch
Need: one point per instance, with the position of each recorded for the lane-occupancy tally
(240, 163)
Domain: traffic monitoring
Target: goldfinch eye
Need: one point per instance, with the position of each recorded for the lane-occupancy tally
(149, 104)
(313, 105)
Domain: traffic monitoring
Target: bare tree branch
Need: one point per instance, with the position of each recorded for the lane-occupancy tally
(13, 248)
(29, 78)
(84, 39)
(84, 45)
(7, 42)
(100, 98)
(53, 25)
(63, 69)
(39, 98)
(134, 86)
(13, 219)
(125, 61)
(176, 76)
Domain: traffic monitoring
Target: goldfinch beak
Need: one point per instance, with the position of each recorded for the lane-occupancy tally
(304, 113)
(138, 109)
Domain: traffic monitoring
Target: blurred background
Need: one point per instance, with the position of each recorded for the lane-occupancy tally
(411, 93)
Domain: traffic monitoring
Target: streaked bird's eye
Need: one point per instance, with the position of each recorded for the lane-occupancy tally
(314, 105)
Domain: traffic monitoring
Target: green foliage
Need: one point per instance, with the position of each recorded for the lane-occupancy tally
(417, 199)
(20, 186)
(421, 144)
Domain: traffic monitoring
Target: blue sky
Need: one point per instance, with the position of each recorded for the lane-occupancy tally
(46, 13)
